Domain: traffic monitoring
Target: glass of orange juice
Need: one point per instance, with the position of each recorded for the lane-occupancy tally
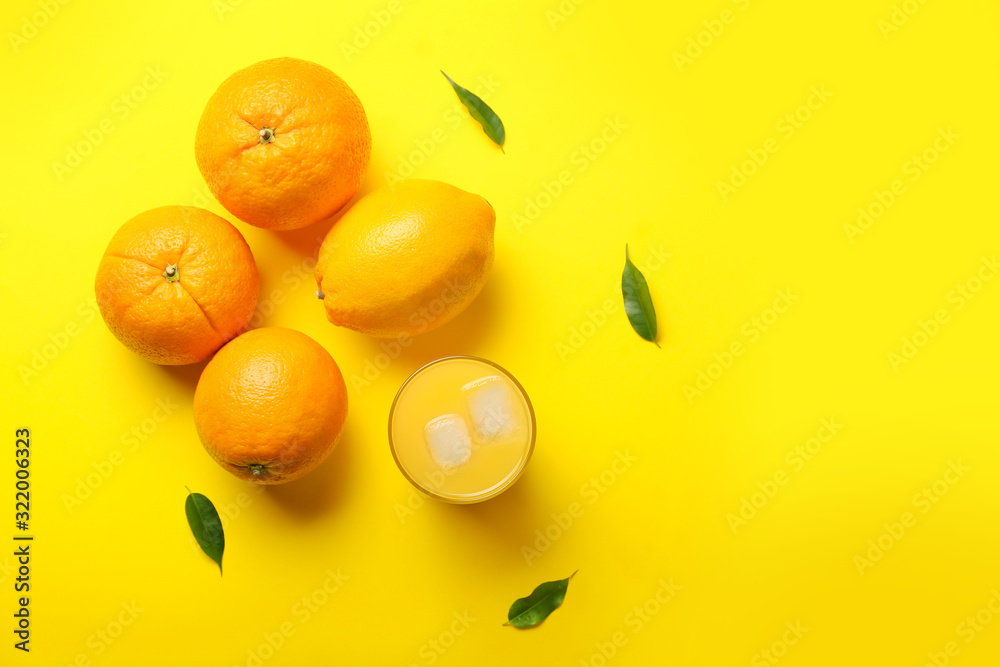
(461, 429)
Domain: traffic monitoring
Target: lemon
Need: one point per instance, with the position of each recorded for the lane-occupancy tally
(406, 260)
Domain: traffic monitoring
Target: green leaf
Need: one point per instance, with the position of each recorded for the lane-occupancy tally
(481, 111)
(545, 599)
(206, 526)
(638, 303)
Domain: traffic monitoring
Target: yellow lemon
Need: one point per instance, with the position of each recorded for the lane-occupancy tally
(406, 260)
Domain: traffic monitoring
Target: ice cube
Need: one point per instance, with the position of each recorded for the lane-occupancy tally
(493, 407)
(448, 440)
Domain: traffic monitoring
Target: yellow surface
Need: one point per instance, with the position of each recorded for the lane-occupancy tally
(768, 285)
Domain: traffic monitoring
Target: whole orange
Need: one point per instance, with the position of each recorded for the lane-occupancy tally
(283, 143)
(270, 406)
(176, 283)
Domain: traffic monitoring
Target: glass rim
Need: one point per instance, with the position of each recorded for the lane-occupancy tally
(501, 486)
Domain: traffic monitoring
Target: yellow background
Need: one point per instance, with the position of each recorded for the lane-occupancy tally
(551, 314)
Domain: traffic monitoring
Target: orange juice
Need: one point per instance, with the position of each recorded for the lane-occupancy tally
(461, 429)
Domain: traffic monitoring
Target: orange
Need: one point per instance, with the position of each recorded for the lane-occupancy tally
(270, 405)
(405, 260)
(283, 143)
(176, 283)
